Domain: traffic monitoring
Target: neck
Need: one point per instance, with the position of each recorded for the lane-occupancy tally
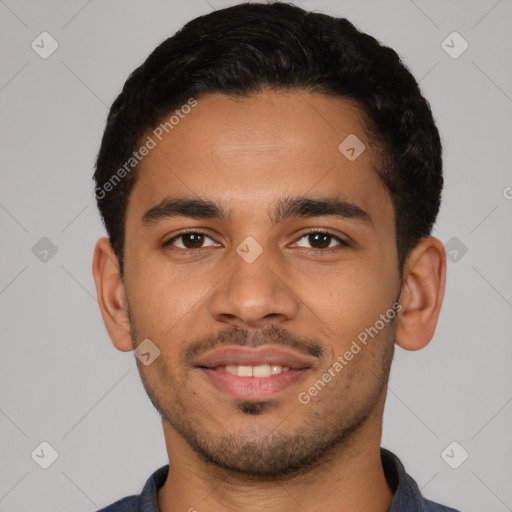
(349, 477)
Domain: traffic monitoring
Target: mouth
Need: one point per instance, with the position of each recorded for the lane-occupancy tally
(253, 373)
(259, 371)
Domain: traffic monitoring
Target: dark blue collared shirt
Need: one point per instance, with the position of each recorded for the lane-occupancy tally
(407, 498)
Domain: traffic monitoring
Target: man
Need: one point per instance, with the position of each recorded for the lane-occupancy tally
(268, 179)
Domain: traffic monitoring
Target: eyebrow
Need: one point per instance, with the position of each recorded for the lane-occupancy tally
(286, 208)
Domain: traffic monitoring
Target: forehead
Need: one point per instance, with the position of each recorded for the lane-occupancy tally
(253, 150)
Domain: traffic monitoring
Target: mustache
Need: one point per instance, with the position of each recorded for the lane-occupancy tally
(269, 335)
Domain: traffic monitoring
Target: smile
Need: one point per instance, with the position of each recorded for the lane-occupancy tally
(254, 373)
(261, 370)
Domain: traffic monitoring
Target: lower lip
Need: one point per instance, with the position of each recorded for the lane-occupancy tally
(252, 388)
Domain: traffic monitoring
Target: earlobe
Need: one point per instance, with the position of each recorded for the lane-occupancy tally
(111, 295)
(422, 293)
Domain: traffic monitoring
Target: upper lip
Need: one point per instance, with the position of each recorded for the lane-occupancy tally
(249, 356)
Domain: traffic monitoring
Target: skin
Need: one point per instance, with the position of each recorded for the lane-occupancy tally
(248, 154)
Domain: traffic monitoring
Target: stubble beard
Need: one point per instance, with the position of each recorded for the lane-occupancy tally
(270, 454)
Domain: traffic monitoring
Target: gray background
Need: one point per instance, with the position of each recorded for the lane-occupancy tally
(63, 382)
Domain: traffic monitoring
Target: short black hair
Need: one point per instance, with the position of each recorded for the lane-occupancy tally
(251, 47)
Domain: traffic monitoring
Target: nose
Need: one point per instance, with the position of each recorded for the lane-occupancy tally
(254, 294)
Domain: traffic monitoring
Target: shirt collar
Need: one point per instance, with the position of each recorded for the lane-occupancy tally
(407, 494)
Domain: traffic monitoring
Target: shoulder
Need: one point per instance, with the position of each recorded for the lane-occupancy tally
(147, 500)
(128, 504)
(431, 506)
(407, 495)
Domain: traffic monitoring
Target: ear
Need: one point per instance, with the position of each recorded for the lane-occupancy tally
(111, 295)
(422, 293)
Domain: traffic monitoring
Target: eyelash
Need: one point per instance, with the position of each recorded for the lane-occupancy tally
(342, 243)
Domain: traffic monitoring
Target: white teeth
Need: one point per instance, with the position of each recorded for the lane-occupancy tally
(245, 371)
(261, 370)
(231, 369)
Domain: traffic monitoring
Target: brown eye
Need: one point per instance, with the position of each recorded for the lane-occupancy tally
(319, 240)
(189, 241)
(192, 240)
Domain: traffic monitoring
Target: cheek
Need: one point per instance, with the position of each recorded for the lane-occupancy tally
(163, 298)
(350, 299)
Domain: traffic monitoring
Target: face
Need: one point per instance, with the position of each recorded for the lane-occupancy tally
(257, 254)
